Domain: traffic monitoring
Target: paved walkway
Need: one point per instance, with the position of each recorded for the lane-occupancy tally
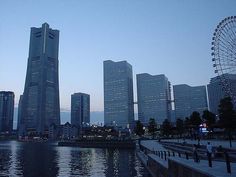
(216, 143)
(219, 168)
(152, 145)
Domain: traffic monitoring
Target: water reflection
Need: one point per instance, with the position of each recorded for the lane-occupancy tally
(37, 159)
(122, 163)
(15, 167)
(5, 159)
(49, 160)
(81, 162)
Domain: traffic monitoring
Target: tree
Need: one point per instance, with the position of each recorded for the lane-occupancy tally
(139, 128)
(187, 125)
(166, 127)
(152, 126)
(195, 119)
(209, 118)
(227, 116)
(180, 126)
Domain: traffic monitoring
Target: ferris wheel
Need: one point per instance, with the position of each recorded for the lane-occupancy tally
(224, 54)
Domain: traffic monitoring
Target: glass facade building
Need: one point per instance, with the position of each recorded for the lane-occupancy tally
(19, 112)
(80, 109)
(154, 98)
(40, 103)
(118, 93)
(216, 92)
(6, 111)
(189, 99)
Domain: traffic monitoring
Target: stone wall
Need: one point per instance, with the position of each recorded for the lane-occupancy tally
(177, 169)
(156, 168)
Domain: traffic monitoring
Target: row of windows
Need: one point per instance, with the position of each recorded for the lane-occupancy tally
(39, 34)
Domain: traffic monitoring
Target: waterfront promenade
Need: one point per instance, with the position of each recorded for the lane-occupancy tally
(216, 143)
(162, 162)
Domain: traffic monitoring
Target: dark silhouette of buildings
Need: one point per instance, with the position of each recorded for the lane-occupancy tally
(216, 91)
(189, 99)
(19, 112)
(118, 93)
(153, 93)
(6, 111)
(80, 109)
(40, 103)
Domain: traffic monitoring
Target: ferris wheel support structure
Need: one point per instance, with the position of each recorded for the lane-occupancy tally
(224, 54)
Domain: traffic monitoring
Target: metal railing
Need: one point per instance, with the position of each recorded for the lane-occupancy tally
(186, 155)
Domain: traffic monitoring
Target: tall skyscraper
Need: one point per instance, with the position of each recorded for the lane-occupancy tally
(118, 93)
(19, 112)
(80, 109)
(154, 98)
(216, 92)
(40, 104)
(6, 111)
(189, 99)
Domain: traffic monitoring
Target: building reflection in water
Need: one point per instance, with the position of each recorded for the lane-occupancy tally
(15, 167)
(81, 161)
(27, 159)
(99, 163)
(49, 160)
(120, 163)
(75, 161)
(63, 160)
(38, 159)
(5, 159)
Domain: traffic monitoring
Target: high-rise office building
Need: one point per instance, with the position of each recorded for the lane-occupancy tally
(189, 99)
(118, 93)
(80, 109)
(19, 112)
(216, 92)
(154, 98)
(40, 104)
(6, 111)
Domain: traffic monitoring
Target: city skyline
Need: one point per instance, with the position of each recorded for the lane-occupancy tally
(134, 31)
(118, 88)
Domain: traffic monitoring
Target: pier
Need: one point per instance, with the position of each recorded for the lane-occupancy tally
(162, 161)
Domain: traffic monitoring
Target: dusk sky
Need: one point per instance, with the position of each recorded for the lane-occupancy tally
(171, 37)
